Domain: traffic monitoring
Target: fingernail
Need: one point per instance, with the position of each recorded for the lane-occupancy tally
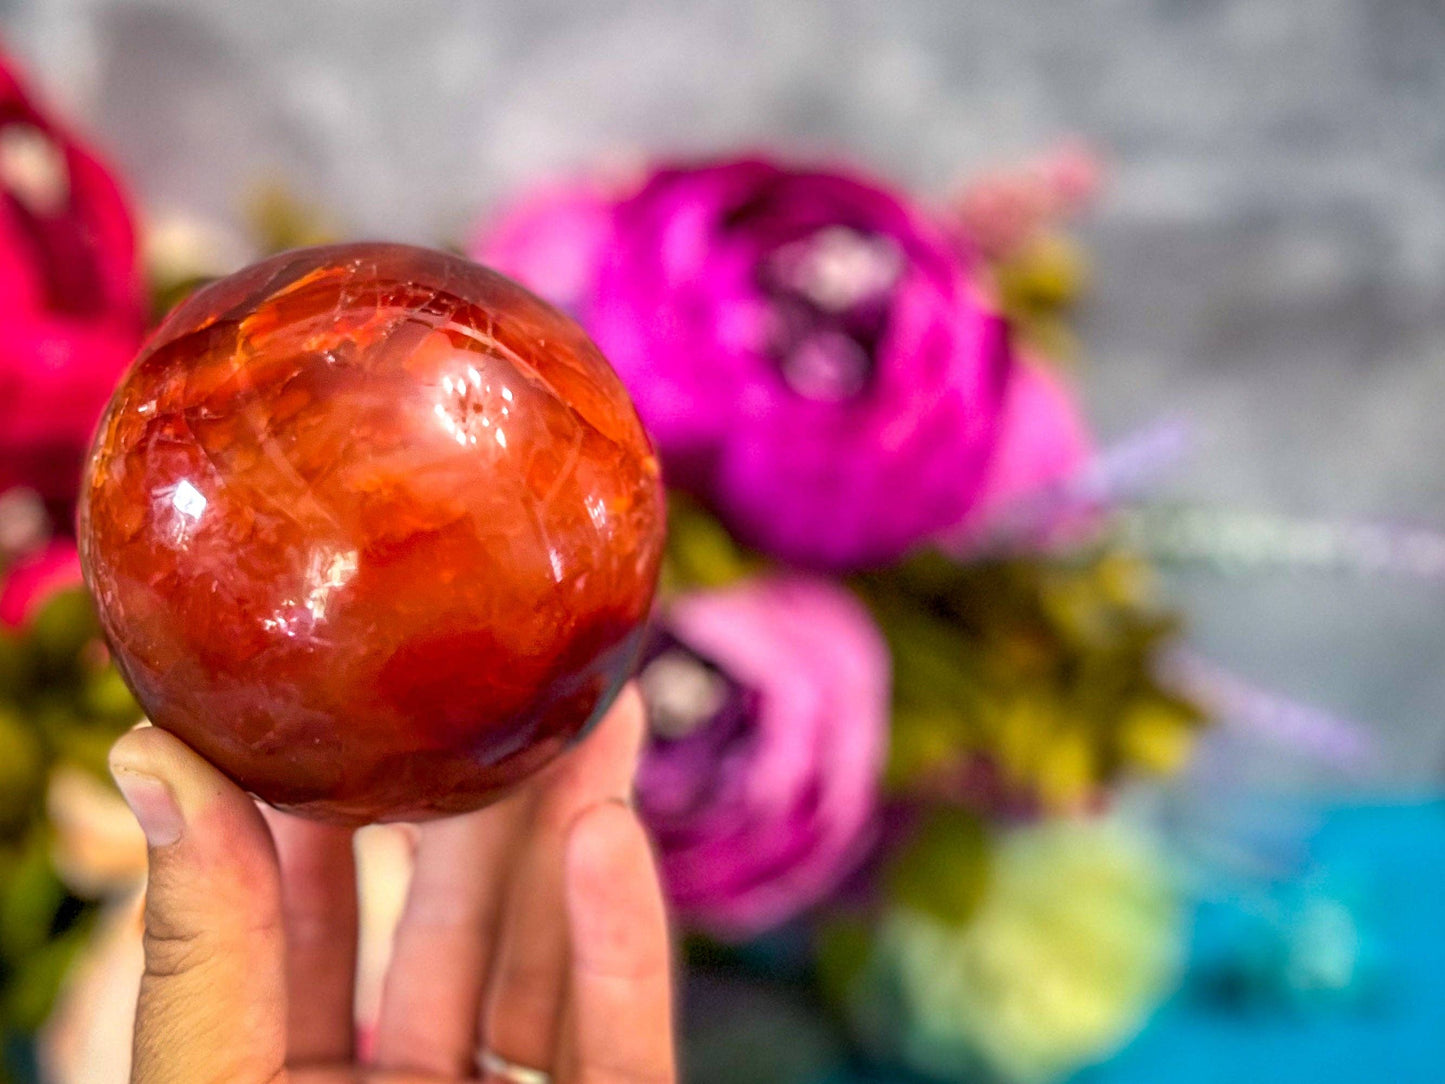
(153, 804)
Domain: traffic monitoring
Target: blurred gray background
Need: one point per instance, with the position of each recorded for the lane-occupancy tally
(1270, 253)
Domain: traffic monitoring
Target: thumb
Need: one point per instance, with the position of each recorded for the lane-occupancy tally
(213, 999)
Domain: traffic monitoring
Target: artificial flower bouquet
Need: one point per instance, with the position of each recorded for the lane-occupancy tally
(901, 663)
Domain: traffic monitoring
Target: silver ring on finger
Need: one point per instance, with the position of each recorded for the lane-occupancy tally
(494, 1065)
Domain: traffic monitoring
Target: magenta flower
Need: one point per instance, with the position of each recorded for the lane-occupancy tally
(552, 240)
(769, 707)
(70, 296)
(30, 582)
(806, 348)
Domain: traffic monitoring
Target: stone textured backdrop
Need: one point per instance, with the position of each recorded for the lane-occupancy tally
(1270, 256)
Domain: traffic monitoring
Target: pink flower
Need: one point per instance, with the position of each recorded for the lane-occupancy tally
(71, 312)
(34, 578)
(1043, 444)
(769, 706)
(1043, 439)
(996, 214)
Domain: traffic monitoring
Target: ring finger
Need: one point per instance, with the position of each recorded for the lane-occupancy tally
(522, 1016)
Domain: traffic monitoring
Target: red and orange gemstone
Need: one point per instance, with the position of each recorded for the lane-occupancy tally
(373, 529)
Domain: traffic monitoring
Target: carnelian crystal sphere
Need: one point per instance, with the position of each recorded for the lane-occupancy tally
(372, 529)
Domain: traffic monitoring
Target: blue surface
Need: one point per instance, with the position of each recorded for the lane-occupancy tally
(1387, 863)
(1242, 1015)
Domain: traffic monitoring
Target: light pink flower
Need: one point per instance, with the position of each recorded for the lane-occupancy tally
(998, 213)
(1043, 444)
(769, 703)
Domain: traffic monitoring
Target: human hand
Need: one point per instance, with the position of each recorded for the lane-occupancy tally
(535, 926)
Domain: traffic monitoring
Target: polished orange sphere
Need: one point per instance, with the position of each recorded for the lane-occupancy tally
(373, 529)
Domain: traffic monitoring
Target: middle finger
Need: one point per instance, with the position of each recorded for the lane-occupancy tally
(442, 950)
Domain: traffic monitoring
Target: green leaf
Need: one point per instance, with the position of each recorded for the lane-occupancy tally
(86, 747)
(943, 870)
(1043, 666)
(280, 220)
(22, 768)
(29, 899)
(63, 626)
(923, 743)
(106, 697)
(32, 993)
(842, 950)
(700, 552)
(14, 665)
